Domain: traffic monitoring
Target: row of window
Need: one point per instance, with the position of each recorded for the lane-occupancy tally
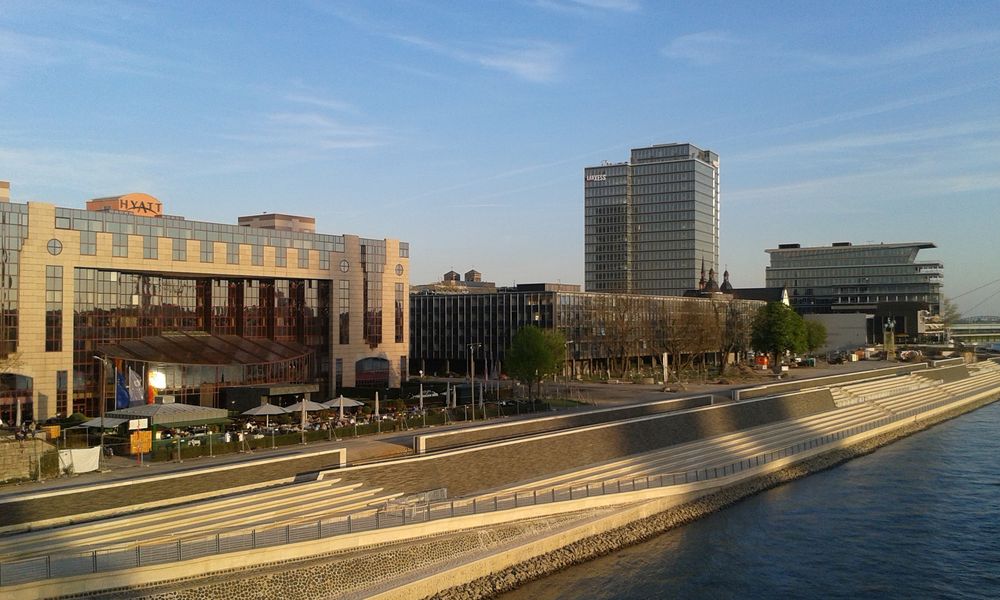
(206, 252)
(127, 223)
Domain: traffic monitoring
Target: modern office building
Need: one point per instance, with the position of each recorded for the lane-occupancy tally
(651, 223)
(885, 281)
(197, 310)
(449, 326)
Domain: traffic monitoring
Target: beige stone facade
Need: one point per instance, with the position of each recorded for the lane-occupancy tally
(46, 234)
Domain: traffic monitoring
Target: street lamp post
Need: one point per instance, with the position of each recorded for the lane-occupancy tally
(890, 339)
(103, 384)
(472, 376)
(566, 345)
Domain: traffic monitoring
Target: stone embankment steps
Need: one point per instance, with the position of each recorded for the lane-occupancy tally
(173, 514)
(842, 399)
(988, 378)
(652, 463)
(722, 449)
(713, 451)
(915, 399)
(222, 524)
(321, 501)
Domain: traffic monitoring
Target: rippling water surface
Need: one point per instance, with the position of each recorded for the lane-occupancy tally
(919, 518)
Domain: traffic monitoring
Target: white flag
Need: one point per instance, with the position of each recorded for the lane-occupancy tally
(136, 391)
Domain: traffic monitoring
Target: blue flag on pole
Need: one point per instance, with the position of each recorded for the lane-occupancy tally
(121, 391)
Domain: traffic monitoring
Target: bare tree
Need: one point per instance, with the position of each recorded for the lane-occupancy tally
(621, 325)
(733, 322)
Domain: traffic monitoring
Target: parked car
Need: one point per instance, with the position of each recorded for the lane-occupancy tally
(836, 358)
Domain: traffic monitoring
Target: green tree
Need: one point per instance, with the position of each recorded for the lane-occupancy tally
(776, 330)
(815, 335)
(535, 353)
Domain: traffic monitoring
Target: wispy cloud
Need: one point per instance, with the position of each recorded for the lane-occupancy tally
(901, 53)
(702, 48)
(481, 205)
(537, 61)
(319, 102)
(309, 132)
(93, 172)
(590, 6)
(531, 60)
(25, 51)
(846, 143)
(873, 110)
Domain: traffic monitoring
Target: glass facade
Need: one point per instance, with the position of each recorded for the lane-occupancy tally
(13, 231)
(113, 306)
(651, 223)
(53, 308)
(373, 266)
(398, 313)
(601, 328)
(845, 277)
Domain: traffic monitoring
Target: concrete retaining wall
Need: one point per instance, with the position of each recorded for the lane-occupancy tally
(801, 384)
(504, 463)
(947, 362)
(101, 498)
(946, 374)
(432, 442)
(17, 458)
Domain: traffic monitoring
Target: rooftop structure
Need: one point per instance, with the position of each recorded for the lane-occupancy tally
(280, 222)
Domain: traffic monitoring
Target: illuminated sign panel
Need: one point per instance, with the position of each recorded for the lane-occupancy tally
(138, 204)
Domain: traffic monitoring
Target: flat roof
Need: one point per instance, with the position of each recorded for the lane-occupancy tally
(839, 246)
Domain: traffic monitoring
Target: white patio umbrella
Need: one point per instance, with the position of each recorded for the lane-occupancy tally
(304, 406)
(340, 402)
(310, 406)
(267, 410)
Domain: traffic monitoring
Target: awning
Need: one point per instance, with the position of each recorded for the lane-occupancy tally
(199, 348)
(170, 415)
(109, 423)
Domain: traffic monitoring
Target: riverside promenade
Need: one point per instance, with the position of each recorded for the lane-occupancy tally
(526, 519)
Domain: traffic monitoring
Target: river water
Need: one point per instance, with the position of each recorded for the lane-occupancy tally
(919, 518)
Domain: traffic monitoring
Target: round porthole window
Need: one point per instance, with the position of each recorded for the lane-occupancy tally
(344, 266)
(399, 269)
(55, 247)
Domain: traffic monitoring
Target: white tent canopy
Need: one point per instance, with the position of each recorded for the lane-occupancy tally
(341, 402)
(108, 423)
(309, 405)
(264, 410)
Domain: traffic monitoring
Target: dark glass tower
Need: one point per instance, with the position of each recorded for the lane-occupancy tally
(650, 223)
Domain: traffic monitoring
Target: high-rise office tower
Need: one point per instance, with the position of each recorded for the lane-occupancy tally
(652, 223)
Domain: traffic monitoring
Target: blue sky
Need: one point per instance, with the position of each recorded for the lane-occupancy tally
(464, 127)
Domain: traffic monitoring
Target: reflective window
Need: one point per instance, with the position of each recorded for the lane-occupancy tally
(119, 245)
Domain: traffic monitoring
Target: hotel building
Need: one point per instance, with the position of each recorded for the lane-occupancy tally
(210, 309)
